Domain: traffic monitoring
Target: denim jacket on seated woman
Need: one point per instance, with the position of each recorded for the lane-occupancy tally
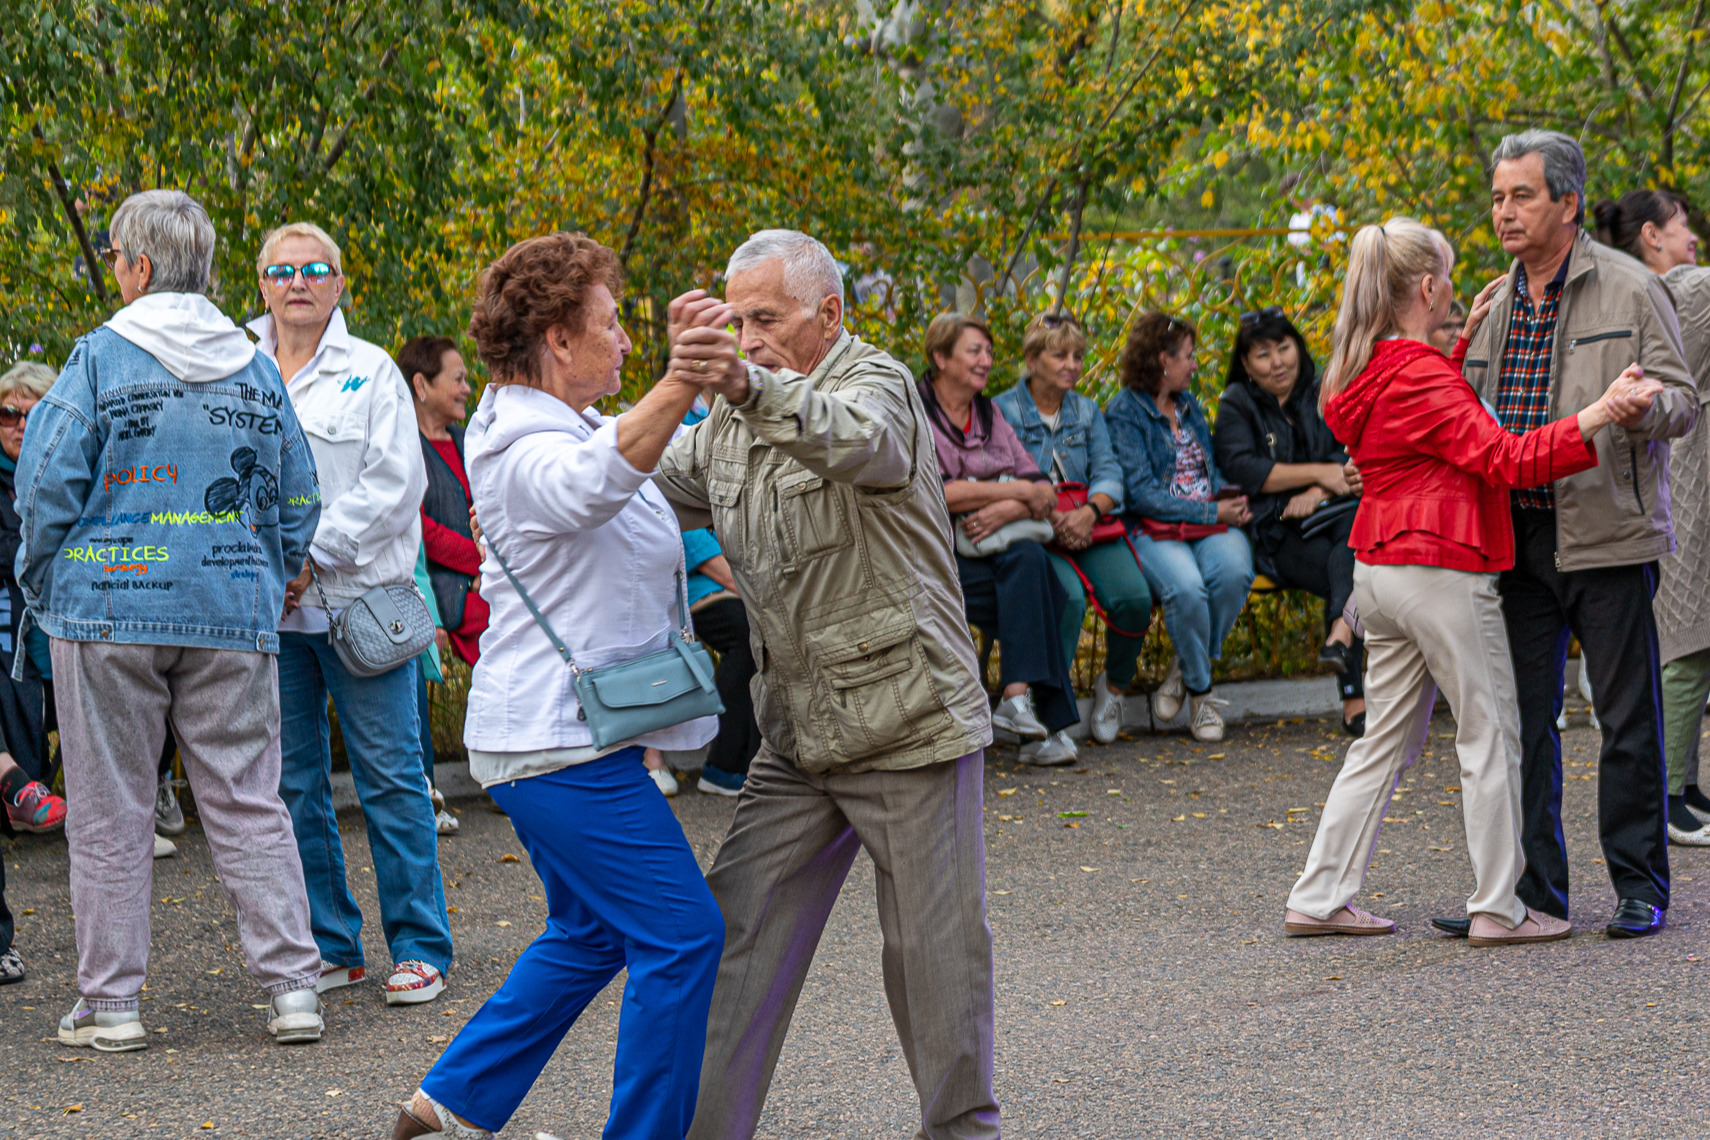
(1146, 449)
(1077, 451)
(165, 488)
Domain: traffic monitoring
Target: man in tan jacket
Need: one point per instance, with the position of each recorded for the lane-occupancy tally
(818, 472)
(1569, 317)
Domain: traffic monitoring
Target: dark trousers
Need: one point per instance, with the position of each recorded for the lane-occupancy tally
(424, 720)
(6, 924)
(1015, 596)
(1322, 565)
(724, 626)
(1609, 610)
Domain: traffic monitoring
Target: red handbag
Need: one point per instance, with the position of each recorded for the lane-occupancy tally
(1179, 531)
(1073, 496)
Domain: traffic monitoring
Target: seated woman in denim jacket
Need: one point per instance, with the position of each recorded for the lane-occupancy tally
(989, 482)
(1196, 559)
(1067, 438)
(1271, 441)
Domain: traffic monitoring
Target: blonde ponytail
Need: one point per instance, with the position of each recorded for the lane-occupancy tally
(1385, 265)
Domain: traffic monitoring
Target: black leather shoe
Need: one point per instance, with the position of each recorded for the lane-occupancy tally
(1456, 927)
(1337, 655)
(1634, 918)
(1356, 728)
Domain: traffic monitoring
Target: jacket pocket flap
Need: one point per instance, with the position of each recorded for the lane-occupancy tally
(799, 483)
(844, 645)
(657, 678)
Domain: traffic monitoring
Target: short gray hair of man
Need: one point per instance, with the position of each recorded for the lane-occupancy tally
(1564, 162)
(30, 376)
(810, 272)
(172, 230)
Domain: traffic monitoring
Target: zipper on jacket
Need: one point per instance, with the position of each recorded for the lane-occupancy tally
(1638, 496)
(1620, 334)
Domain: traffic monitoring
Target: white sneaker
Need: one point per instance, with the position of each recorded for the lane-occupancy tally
(1056, 750)
(1206, 720)
(1167, 698)
(1016, 715)
(413, 982)
(1680, 838)
(446, 824)
(335, 977)
(117, 1031)
(164, 847)
(664, 779)
(295, 1018)
(1106, 710)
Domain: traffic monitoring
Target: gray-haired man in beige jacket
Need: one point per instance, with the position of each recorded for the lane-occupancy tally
(818, 472)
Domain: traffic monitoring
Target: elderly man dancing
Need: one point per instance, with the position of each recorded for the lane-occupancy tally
(818, 471)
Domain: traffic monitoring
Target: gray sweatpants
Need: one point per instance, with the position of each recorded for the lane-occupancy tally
(114, 704)
(776, 878)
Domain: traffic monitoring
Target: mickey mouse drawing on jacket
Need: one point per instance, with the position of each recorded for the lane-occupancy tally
(253, 484)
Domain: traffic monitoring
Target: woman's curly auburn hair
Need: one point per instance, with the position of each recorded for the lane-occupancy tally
(1152, 335)
(537, 283)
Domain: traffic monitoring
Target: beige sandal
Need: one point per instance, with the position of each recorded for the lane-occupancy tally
(1349, 920)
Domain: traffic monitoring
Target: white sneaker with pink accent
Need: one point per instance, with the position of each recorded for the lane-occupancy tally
(413, 982)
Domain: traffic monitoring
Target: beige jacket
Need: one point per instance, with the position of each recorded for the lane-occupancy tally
(1613, 312)
(825, 493)
(1683, 597)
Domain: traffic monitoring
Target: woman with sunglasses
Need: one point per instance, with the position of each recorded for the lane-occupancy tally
(1271, 441)
(1068, 439)
(356, 414)
(1185, 516)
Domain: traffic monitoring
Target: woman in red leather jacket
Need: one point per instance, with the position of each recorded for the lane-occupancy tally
(1433, 531)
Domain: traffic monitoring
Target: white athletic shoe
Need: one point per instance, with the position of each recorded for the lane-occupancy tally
(1054, 751)
(1106, 710)
(1016, 715)
(164, 847)
(335, 977)
(295, 1018)
(1207, 721)
(116, 1031)
(446, 824)
(1167, 698)
(665, 780)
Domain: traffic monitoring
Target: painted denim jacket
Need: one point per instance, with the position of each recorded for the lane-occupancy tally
(160, 511)
(1146, 449)
(1080, 445)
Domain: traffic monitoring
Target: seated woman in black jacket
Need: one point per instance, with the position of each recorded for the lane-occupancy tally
(1271, 441)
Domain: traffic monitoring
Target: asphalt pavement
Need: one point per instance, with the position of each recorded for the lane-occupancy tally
(1144, 984)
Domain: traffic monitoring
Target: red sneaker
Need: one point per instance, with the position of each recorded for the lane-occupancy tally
(36, 809)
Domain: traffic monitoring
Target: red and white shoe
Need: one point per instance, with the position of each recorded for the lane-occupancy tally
(413, 982)
(335, 977)
(36, 809)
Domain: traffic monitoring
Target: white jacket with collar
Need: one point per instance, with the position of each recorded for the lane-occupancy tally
(356, 414)
(596, 546)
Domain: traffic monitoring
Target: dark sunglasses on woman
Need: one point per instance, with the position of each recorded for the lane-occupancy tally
(11, 415)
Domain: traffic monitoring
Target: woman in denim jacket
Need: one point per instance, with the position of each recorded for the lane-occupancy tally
(1200, 573)
(1068, 439)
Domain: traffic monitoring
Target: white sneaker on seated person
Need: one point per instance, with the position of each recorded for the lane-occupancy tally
(1015, 714)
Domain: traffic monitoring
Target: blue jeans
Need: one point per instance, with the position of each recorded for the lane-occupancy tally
(622, 890)
(382, 736)
(1202, 586)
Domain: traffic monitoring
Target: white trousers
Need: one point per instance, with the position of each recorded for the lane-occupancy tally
(1424, 622)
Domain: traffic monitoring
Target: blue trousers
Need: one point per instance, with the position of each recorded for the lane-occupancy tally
(1202, 586)
(382, 736)
(622, 890)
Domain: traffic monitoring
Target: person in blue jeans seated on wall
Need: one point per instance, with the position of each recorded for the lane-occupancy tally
(1272, 442)
(1070, 442)
(1001, 506)
(1186, 519)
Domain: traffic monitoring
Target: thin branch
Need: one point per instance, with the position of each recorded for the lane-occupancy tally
(1074, 242)
(70, 204)
(1026, 232)
(337, 150)
(644, 194)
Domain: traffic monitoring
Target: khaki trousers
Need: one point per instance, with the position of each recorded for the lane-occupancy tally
(1424, 622)
(777, 876)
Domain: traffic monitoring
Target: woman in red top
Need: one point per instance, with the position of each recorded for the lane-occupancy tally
(439, 383)
(1432, 532)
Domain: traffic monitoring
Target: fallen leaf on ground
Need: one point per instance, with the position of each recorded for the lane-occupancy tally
(71, 1108)
(1007, 791)
(335, 1092)
(215, 970)
(439, 1039)
(450, 910)
(1000, 892)
(1199, 815)
(1070, 814)
(1089, 870)
(1178, 818)
(208, 1124)
(31, 910)
(1334, 978)
(1059, 1003)
(1270, 823)
(502, 922)
(509, 858)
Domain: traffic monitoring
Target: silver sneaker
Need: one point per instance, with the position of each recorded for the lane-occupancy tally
(107, 1031)
(295, 1018)
(168, 816)
(1106, 711)
(164, 847)
(1207, 722)
(446, 824)
(1016, 715)
(1167, 698)
(1056, 750)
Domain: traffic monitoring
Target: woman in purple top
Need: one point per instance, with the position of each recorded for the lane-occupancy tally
(990, 481)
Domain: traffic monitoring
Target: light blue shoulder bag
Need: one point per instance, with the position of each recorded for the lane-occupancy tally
(633, 698)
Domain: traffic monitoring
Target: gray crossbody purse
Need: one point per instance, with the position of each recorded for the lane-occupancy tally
(381, 630)
(632, 698)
